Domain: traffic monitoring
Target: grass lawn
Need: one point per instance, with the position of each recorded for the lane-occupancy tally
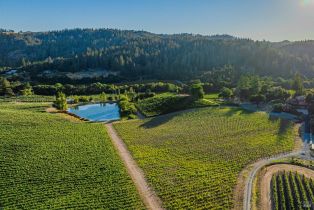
(47, 162)
(211, 96)
(192, 158)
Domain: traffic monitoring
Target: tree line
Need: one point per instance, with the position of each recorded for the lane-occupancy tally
(144, 55)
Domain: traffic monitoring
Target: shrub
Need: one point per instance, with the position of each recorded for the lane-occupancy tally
(126, 108)
(197, 91)
(279, 107)
(61, 101)
(163, 104)
(225, 93)
(83, 99)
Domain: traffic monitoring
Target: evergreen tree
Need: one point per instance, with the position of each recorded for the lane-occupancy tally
(61, 101)
(5, 88)
(298, 85)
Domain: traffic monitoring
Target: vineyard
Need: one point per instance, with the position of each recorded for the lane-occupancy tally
(167, 103)
(31, 98)
(192, 158)
(47, 162)
(291, 191)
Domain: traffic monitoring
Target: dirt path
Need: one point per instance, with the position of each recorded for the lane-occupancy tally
(257, 166)
(266, 176)
(148, 196)
(250, 172)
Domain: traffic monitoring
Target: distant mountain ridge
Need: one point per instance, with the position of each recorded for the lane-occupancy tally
(135, 54)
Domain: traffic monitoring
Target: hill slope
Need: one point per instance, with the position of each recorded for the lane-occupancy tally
(139, 54)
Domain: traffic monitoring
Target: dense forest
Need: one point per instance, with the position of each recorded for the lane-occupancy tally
(120, 55)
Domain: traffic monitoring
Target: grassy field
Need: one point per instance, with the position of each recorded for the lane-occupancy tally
(47, 162)
(192, 158)
(212, 96)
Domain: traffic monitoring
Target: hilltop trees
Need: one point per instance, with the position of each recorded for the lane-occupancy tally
(142, 55)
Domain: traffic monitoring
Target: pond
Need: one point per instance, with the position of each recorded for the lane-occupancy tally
(97, 112)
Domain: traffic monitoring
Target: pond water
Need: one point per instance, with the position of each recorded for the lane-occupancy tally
(97, 112)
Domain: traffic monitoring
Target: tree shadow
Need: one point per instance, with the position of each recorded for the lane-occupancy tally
(237, 111)
(162, 119)
(284, 124)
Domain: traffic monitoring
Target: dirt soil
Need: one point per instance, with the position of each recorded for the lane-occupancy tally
(63, 115)
(147, 194)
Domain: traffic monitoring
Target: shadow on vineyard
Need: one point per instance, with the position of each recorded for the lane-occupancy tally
(193, 158)
(237, 111)
(160, 120)
(284, 125)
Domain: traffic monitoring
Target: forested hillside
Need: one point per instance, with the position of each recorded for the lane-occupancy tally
(127, 55)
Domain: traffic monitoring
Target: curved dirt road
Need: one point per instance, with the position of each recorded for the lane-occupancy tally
(265, 201)
(257, 166)
(148, 196)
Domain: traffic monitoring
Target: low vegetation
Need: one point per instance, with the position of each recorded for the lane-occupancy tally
(28, 98)
(47, 162)
(291, 191)
(162, 104)
(61, 101)
(127, 108)
(192, 158)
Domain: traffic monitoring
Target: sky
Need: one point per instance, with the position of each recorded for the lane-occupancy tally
(273, 20)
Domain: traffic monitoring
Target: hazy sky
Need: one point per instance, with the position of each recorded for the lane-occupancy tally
(257, 19)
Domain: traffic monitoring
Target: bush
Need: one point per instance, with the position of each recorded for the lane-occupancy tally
(126, 108)
(132, 116)
(279, 107)
(225, 93)
(142, 96)
(197, 91)
(61, 101)
(163, 104)
(83, 99)
(76, 99)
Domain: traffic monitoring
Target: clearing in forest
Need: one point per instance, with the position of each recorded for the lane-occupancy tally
(192, 158)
